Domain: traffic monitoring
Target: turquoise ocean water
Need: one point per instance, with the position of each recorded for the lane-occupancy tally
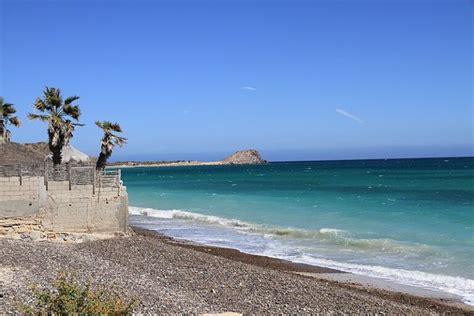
(408, 220)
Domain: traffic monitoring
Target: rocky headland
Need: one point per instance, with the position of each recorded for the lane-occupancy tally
(241, 157)
(244, 157)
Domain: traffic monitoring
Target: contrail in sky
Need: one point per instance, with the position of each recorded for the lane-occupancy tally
(349, 115)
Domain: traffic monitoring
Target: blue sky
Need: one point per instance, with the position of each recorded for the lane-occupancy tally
(298, 80)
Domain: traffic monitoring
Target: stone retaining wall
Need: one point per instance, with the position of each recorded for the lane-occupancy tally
(79, 209)
(97, 203)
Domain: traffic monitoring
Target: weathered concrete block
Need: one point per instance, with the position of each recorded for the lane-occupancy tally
(18, 208)
(87, 187)
(58, 185)
(75, 209)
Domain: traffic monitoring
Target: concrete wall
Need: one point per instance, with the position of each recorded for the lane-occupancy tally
(64, 207)
(21, 196)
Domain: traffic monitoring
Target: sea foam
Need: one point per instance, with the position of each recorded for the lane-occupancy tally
(324, 235)
(450, 284)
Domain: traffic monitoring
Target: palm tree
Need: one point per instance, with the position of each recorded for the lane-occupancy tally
(6, 117)
(60, 128)
(108, 141)
(69, 128)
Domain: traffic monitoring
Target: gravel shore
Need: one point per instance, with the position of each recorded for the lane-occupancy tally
(169, 276)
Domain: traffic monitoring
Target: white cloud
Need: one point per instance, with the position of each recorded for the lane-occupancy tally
(348, 115)
(187, 111)
(248, 88)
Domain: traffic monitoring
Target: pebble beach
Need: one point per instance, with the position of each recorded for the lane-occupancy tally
(171, 276)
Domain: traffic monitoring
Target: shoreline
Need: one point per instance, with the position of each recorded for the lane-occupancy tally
(169, 275)
(410, 281)
(365, 283)
(221, 163)
(191, 163)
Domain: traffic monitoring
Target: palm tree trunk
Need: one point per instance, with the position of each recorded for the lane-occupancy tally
(3, 130)
(102, 160)
(56, 154)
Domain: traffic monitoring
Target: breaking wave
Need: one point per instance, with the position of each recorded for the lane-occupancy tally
(324, 235)
(450, 284)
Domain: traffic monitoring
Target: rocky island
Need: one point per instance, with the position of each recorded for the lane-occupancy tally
(241, 157)
(244, 157)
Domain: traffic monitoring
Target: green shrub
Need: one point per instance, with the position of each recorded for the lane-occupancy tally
(68, 297)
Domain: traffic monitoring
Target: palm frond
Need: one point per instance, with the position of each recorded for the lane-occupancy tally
(40, 105)
(120, 141)
(109, 126)
(15, 121)
(53, 97)
(106, 125)
(69, 100)
(116, 127)
(73, 111)
(2, 102)
(7, 109)
(68, 130)
(43, 118)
